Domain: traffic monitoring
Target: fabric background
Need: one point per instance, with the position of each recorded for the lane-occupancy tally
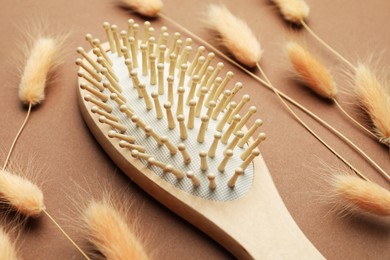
(73, 167)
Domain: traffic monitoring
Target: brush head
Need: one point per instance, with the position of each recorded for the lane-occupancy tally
(374, 99)
(199, 180)
(171, 120)
(24, 196)
(362, 195)
(311, 70)
(234, 34)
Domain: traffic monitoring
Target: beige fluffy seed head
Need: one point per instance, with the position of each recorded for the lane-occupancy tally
(109, 233)
(7, 248)
(310, 69)
(364, 195)
(293, 11)
(42, 59)
(21, 194)
(375, 100)
(148, 8)
(234, 34)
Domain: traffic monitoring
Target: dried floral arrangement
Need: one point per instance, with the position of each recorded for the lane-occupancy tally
(100, 216)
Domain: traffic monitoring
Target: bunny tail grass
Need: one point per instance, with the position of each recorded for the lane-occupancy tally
(109, 233)
(235, 35)
(293, 11)
(148, 8)
(317, 77)
(363, 195)
(42, 59)
(310, 69)
(24, 196)
(374, 99)
(7, 248)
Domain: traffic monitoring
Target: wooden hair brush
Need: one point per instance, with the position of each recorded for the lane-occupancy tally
(170, 123)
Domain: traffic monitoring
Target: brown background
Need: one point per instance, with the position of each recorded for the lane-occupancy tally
(72, 164)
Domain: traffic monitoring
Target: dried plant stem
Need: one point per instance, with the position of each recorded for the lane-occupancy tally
(47, 214)
(66, 235)
(17, 136)
(361, 175)
(353, 120)
(286, 97)
(307, 27)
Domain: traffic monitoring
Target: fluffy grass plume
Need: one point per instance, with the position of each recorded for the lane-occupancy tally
(293, 11)
(375, 100)
(7, 248)
(310, 69)
(110, 234)
(43, 57)
(235, 35)
(148, 8)
(361, 194)
(21, 194)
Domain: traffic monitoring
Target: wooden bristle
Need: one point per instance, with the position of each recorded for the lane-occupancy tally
(245, 99)
(174, 80)
(171, 147)
(213, 147)
(237, 173)
(226, 116)
(131, 146)
(90, 71)
(252, 110)
(127, 138)
(203, 160)
(116, 125)
(229, 131)
(195, 181)
(185, 154)
(250, 132)
(97, 110)
(117, 41)
(227, 155)
(98, 103)
(261, 137)
(255, 152)
(91, 80)
(212, 183)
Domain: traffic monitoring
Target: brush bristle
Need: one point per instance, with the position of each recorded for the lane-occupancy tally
(310, 69)
(42, 59)
(374, 100)
(293, 11)
(199, 113)
(234, 34)
(21, 194)
(7, 248)
(109, 233)
(364, 195)
(148, 8)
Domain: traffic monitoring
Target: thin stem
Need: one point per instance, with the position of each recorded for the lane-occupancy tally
(286, 97)
(304, 24)
(17, 137)
(47, 214)
(308, 128)
(66, 235)
(353, 120)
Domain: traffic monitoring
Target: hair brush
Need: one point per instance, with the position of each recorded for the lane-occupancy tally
(170, 123)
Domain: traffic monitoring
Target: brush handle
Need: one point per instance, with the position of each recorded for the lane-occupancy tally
(255, 226)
